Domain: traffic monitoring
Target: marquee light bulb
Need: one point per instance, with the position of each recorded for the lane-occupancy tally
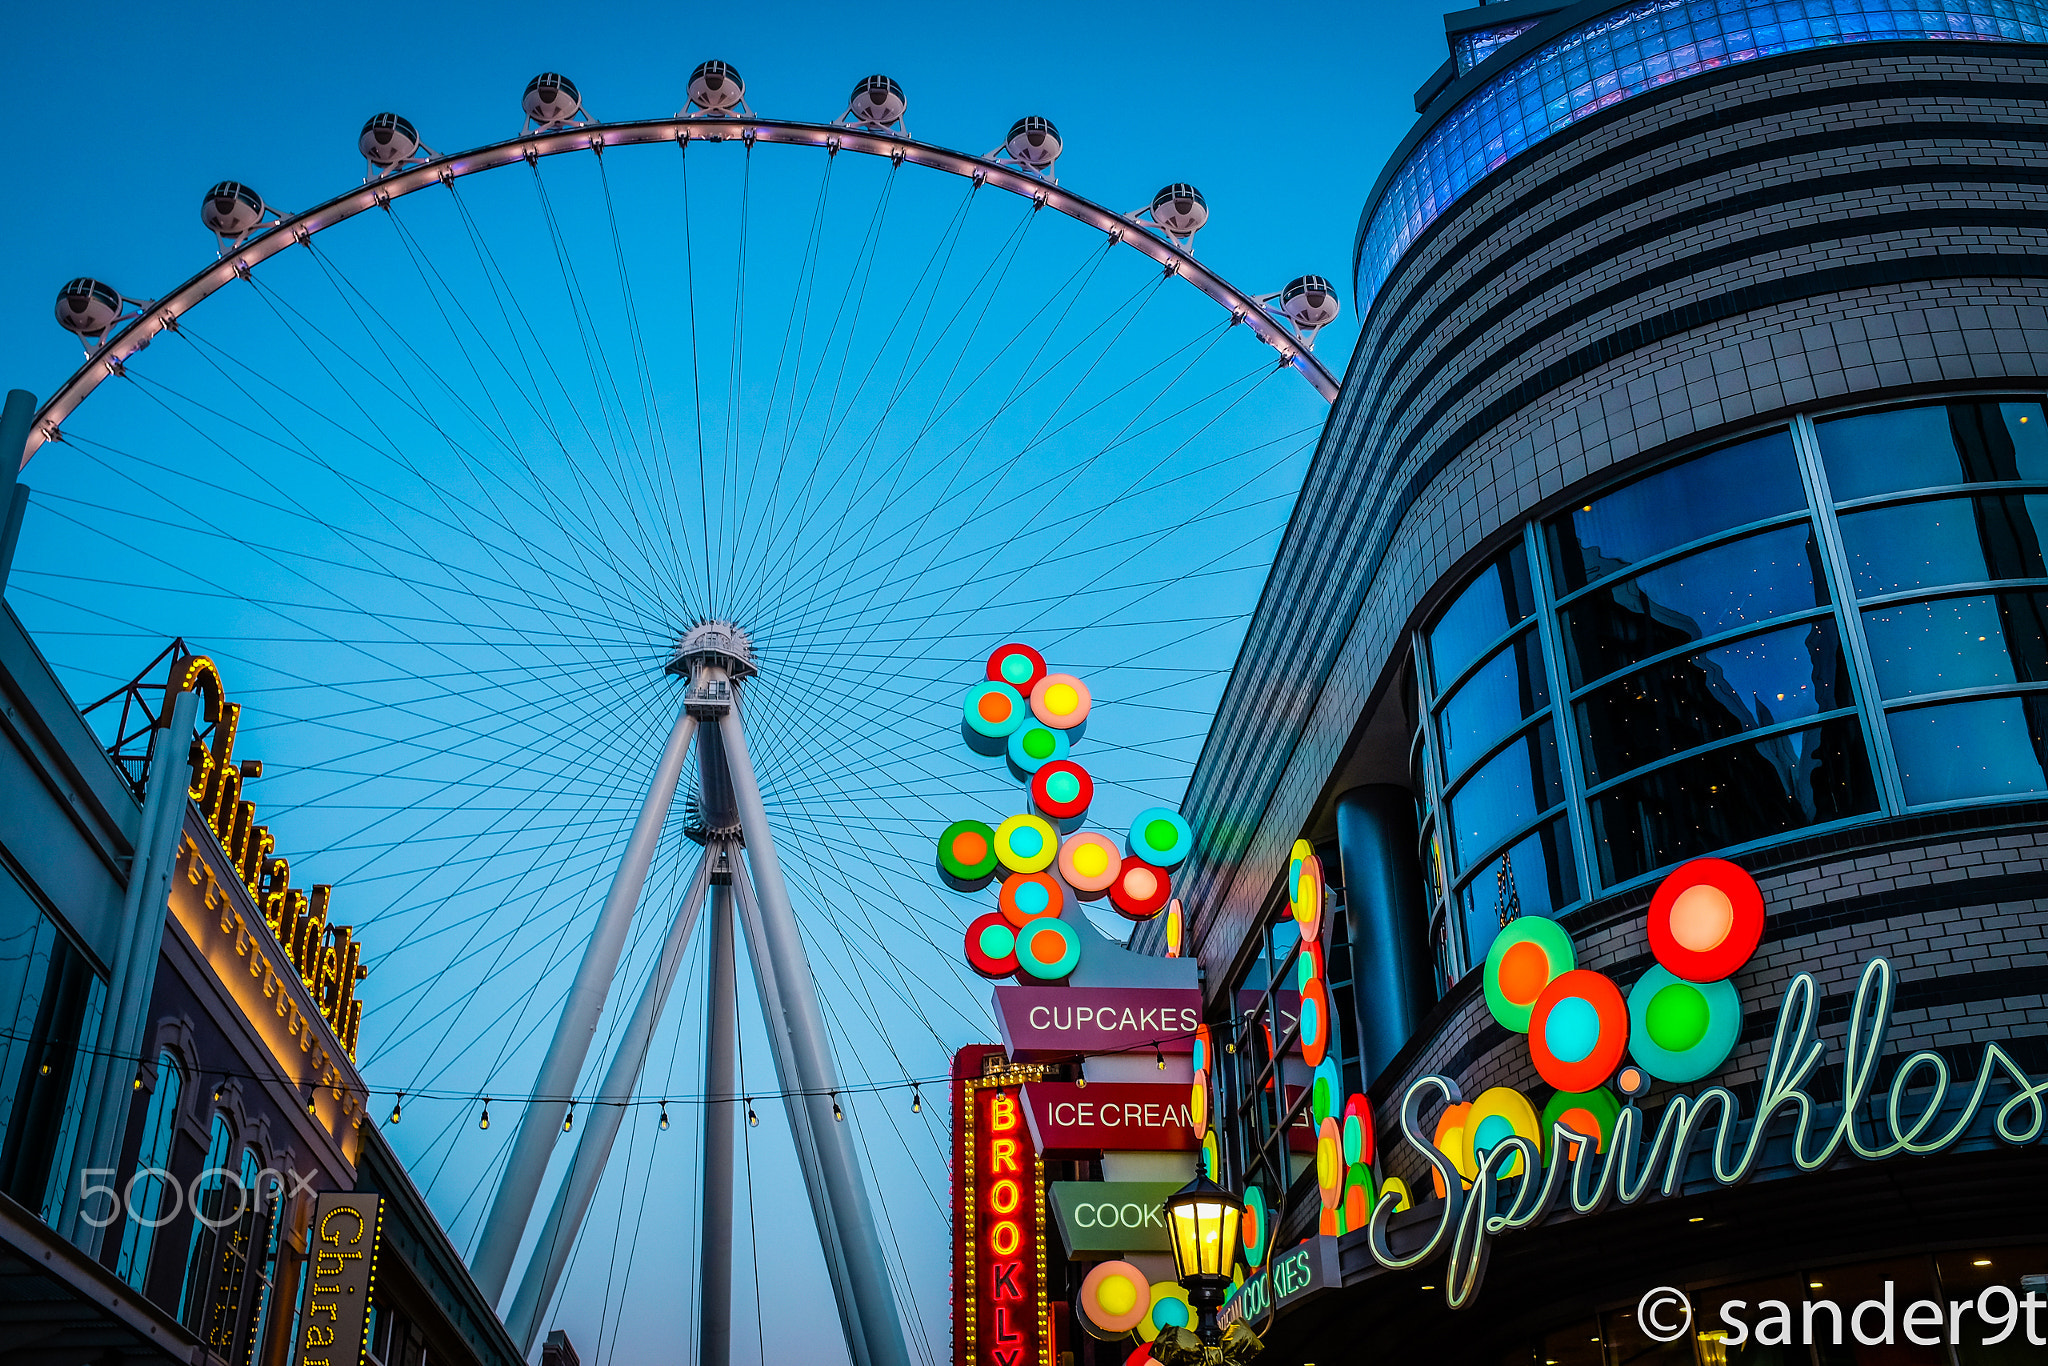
(1158, 1057)
(138, 1078)
(483, 1121)
(312, 1100)
(664, 1116)
(837, 1113)
(753, 1120)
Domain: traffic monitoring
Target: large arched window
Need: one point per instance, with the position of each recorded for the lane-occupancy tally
(213, 1208)
(145, 1192)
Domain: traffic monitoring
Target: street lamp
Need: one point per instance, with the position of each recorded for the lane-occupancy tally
(1202, 1225)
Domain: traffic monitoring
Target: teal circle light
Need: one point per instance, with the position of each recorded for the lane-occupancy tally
(1572, 1029)
(1661, 1013)
(1032, 746)
(1160, 836)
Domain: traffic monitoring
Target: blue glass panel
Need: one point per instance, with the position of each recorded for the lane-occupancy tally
(1932, 446)
(1973, 642)
(1730, 796)
(1721, 589)
(1697, 699)
(1505, 691)
(1626, 52)
(1497, 599)
(1988, 748)
(1946, 540)
(1533, 877)
(1507, 792)
(1725, 488)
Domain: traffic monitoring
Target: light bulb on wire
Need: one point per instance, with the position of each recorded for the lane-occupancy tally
(753, 1120)
(916, 1101)
(483, 1121)
(837, 1113)
(664, 1116)
(397, 1107)
(569, 1120)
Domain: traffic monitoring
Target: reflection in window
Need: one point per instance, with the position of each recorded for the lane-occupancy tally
(144, 1194)
(1480, 615)
(1721, 589)
(1502, 693)
(1952, 643)
(1728, 488)
(1731, 796)
(1993, 747)
(1510, 790)
(1930, 447)
(1534, 876)
(1946, 540)
(1696, 699)
(209, 1195)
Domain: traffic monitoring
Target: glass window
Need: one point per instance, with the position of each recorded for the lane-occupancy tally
(208, 1193)
(50, 998)
(1534, 876)
(1731, 796)
(1951, 643)
(1504, 692)
(1480, 615)
(1710, 695)
(1721, 589)
(1507, 792)
(1727, 488)
(1946, 540)
(1928, 447)
(1966, 1275)
(1992, 747)
(145, 1192)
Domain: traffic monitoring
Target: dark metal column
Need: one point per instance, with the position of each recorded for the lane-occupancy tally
(1390, 976)
(714, 1308)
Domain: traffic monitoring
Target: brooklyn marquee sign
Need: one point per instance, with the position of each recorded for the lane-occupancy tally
(1509, 1188)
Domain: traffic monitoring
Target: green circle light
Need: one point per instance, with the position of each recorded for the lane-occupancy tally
(1680, 1031)
(1039, 744)
(1677, 1017)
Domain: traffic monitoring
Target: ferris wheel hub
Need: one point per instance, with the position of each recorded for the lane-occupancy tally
(718, 648)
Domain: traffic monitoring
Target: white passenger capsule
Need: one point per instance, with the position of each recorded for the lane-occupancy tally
(388, 140)
(231, 210)
(1180, 209)
(716, 88)
(551, 100)
(1033, 142)
(88, 307)
(1309, 303)
(877, 102)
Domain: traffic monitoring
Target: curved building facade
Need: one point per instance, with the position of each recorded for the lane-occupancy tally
(1686, 497)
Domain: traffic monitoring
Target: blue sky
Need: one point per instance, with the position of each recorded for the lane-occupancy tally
(361, 540)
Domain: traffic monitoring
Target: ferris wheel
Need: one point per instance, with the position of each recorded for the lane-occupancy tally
(479, 488)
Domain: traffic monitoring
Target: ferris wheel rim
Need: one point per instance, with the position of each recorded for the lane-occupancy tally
(108, 359)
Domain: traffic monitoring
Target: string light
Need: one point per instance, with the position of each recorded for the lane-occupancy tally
(396, 1106)
(837, 1113)
(216, 1092)
(1158, 1056)
(484, 1120)
(664, 1116)
(753, 1120)
(312, 1100)
(138, 1076)
(569, 1120)
(916, 1101)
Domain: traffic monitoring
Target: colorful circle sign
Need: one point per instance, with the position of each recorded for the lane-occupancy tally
(1500, 1112)
(1060, 701)
(1176, 928)
(1525, 958)
(1034, 745)
(1308, 966)
(1048, 948)
(1449, 1140)
(1212, 1159)
(1139, 891)
(1114, 1296)
(967, 852)
(1357, 1205)
(1161, 837)
(1020, 666)
(1359, 1144)
(1169, 1309)
(1706, 919)
(1305, 898)
(1198, 1103)
(1578, 1030)
(992, 946)
(1026, 896)
(1680, 1031)
(1315, 1022)
(1330, 1163)
(1396, 1190)
(1089, 863)
(1583, 1112)
(993, 710)
(1026, 844)
(1062, 789)
(1326, 1092)
(1203, 1048)
(1253, 1228)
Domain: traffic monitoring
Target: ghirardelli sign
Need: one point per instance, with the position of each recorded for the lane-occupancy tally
(342, 1248)
(1042, 1023)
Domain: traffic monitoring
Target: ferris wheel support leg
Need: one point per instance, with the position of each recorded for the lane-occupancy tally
(541, 1123)
(861, 1279)
(601, 1128)
(714, 1304)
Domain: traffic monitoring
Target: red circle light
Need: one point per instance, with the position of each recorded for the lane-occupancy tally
(1705, 920)
(1578, 1030)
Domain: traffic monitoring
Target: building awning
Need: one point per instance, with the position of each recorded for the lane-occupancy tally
(58, 1307)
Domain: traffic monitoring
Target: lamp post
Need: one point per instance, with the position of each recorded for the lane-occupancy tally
(1202, 1221)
